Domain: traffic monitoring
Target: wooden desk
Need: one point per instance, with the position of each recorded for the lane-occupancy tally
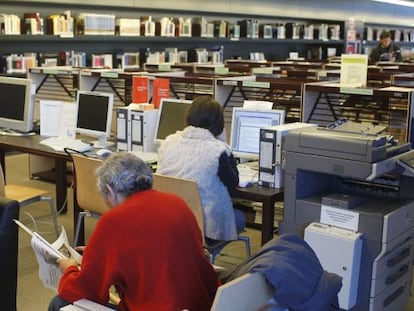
(268, 197)
(30, 144)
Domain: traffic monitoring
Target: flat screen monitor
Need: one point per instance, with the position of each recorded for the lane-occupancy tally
(245, 130)
(16, 105)
(94, 115)
(171, 117)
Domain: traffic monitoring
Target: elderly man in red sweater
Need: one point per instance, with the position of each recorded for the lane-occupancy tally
(148, 246)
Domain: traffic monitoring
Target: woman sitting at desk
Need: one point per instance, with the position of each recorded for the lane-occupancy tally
(196, 153)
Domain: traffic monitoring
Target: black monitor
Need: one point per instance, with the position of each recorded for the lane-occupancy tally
(94, 115)
(171, 117)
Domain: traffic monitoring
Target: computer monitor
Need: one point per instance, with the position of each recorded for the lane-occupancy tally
(16, 105)
(245, 130)
(171, 117)
(94, 115)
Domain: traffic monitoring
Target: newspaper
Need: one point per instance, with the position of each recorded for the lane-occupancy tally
(47, 253)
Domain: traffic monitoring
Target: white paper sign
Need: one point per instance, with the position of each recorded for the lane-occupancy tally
(57, 118)
(339, 217)
(67, 126)
(257, 104)
(354, 69)
(49, 117)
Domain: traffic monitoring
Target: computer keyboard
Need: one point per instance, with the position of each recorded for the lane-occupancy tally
(60, 143)
(148, 157)
(247, 175)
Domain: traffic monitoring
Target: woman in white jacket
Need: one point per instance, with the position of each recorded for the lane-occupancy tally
(196, 153)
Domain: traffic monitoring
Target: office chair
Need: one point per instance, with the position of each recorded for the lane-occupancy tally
(27, 195)
(188, 190)
(9, 239)
(249, 292)
(87, 196)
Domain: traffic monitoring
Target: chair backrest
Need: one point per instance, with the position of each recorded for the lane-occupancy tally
(250, 292)
(2, 182)
(186, 189)
(87, 194)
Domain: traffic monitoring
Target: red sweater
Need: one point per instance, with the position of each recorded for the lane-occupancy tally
(150, 248)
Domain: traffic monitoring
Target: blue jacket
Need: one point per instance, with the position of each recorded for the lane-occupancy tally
(293, 269)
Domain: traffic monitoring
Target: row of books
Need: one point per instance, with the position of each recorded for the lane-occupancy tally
(20, 63)
(108, 24)
(33, 24)
(398, 35)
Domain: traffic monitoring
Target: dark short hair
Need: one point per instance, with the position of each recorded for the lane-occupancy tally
(385, 34)
(207, 113)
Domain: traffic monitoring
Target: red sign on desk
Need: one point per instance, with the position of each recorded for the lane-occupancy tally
(160, 89)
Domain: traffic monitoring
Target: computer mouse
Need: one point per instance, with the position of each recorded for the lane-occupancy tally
(103, 152)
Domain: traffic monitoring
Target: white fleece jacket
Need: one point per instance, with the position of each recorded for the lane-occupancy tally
(194, 154)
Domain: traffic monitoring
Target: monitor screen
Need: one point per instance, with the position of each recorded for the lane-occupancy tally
(94, 114)
(16, 104)
(171, 117)
(245, 129)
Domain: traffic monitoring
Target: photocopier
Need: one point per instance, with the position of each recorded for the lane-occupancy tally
(360, 173)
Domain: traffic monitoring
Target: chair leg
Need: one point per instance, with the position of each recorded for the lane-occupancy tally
(81, 217)
(209, 256)
(53, 212)
(246, 241)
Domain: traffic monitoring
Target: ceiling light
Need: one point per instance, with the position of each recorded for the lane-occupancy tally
(397, 2)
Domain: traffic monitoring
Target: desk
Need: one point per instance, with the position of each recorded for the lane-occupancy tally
(30, 144)
(268, 197)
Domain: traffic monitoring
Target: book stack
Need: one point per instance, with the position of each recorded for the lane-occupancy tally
(102, 61)
(95, 24)
(147, 26)
(20, 63)
(128, 27)
(32, 24)
(78, 59)
(184, 27)
(9, 24)
(249, 28)
(220, 29)
(130, 60)
(165, 27)
(60, 24)
(202, 28)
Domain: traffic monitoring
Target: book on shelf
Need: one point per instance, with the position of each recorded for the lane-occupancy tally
(9, 24)
(32, 24)
(60, 24)
(47, 254)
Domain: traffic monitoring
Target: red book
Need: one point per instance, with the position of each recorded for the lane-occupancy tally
(160, 89)
(140, 90)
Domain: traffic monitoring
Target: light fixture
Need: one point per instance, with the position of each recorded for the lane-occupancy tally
(397, 2)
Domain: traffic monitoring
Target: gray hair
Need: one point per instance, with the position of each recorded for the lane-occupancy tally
(125, 173)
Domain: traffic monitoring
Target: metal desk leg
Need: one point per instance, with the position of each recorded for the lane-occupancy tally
(268, 216)
(61, 190)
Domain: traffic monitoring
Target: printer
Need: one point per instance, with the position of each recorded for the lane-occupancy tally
(354, 170)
